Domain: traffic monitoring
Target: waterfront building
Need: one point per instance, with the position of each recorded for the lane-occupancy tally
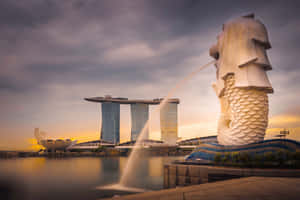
(139, 117)
(169, 123)
(52, 145)
(90, 145)
(110, 130)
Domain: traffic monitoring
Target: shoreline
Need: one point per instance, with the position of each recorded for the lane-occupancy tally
(106, 153)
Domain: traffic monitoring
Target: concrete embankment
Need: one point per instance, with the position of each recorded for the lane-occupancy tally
(259, 188)
(183, 175)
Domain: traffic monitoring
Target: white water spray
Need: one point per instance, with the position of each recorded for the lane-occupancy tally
(134, 155)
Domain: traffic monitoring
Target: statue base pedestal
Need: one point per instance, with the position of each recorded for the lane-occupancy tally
(208, 151)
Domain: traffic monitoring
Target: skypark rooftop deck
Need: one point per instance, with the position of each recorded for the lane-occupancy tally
(129, 101)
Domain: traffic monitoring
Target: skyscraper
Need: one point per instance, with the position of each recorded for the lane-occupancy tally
(168, 123)
(110, 130)
(139, 117)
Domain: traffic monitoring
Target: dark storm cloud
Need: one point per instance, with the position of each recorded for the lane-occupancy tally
(122, 22)
(10, 85)
(80, 41)
(26, 14)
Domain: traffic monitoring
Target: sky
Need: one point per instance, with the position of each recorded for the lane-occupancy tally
(54, 53)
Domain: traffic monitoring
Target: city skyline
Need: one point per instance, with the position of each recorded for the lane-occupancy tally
(56, 53)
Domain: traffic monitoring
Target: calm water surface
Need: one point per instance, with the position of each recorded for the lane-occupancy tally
(74, 178)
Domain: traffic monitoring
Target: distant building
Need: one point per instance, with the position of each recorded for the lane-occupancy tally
(90, 145)
(52, 145)
(139, 117)
(110, 130)
(169, 123)
(198, 140)
(283, 133)
(146, 143)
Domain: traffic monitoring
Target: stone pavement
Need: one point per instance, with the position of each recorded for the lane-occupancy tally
(250, 188)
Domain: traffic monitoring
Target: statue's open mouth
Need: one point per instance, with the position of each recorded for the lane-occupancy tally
(213, 52)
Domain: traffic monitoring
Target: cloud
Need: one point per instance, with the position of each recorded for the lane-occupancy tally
(129, 52)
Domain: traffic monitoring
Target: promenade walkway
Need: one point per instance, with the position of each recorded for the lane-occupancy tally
(250, 188)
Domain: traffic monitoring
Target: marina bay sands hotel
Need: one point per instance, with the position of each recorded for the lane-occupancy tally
(110, 130)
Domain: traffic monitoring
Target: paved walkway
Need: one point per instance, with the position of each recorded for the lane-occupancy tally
(251, 188)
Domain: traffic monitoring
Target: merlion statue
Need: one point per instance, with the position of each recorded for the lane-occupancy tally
(242, 84)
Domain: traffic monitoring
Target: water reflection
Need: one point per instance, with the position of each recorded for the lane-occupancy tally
(110, 171)
(155, 166)
(76, 178)
(23, 166)
(122, 161)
